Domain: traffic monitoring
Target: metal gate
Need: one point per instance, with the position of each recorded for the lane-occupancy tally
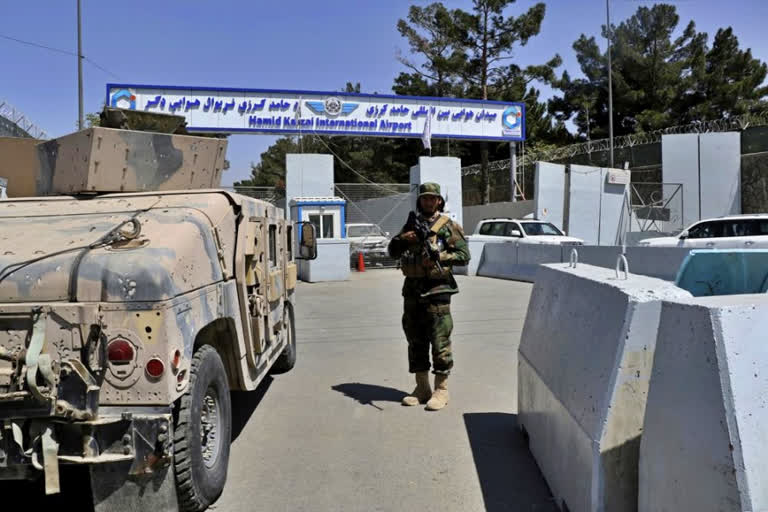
(375, 212)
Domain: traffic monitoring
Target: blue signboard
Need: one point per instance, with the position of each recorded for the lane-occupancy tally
(281, 112)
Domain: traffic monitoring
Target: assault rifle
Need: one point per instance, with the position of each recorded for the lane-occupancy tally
(423, 233)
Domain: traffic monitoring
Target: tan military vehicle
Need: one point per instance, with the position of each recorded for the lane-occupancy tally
(130, 307)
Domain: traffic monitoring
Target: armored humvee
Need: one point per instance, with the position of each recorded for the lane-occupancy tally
(130, 307)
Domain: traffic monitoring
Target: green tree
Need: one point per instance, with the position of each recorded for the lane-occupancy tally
(734, 81)
(469, 53)
(659, 80)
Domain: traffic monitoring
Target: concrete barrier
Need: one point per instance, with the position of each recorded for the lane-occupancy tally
(476, 258)
(704, 445)
(585, 359)
(499, 260)
(659, 262)
(530, 257)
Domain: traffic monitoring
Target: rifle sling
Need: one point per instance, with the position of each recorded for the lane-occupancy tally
(439, 223)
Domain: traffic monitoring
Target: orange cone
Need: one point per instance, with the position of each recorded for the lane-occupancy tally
(360, 262)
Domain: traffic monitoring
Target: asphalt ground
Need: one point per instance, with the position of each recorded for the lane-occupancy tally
(331, 434)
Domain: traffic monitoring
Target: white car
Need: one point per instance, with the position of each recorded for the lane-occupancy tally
(524, 231)
(368, 239)
(732, 232)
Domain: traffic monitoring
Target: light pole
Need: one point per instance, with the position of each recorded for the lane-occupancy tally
(79, 70)
(610, 78)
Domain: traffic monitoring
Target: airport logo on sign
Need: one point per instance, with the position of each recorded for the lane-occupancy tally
(510, 120)
(125, 95)
(332, 107)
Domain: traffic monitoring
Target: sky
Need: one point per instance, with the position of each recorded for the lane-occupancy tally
(291, 44)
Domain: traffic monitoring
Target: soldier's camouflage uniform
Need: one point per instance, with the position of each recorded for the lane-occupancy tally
(427, 295)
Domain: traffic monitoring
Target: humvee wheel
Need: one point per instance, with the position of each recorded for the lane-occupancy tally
(287, 359)
(202, 433)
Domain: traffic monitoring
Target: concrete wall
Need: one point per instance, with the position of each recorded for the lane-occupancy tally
(332, 263)
(584, 364)
(446, 171)
(680, 164)
(709, 167)
(614, 212)
(704, 444)
(584, 201)
(549, 199)
(720, 160)
(19, 163)
(598, 210)
(308, 175)
(474, 214)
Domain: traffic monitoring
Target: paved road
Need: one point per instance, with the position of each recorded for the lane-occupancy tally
(332, 436)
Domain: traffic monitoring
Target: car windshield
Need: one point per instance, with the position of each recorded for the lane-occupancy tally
(355, 231)
(540, 228)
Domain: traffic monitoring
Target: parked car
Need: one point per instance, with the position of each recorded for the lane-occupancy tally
(368, 239)
(732, 232)
(524, 231)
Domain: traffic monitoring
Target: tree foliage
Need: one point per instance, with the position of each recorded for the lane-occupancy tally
(664, 74)
(659, 79)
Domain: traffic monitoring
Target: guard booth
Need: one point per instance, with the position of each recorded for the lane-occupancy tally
(326, 214)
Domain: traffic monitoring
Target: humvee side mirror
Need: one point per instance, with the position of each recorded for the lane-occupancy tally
(307, 241)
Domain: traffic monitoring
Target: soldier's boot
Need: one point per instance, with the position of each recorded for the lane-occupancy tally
(422, 392)
(440, 396)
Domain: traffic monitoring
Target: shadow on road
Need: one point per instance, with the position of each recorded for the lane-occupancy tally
(244, 403)
(366, 394)
(508, 474)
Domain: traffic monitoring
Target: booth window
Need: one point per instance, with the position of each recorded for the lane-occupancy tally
(323, 224)
(273, 245)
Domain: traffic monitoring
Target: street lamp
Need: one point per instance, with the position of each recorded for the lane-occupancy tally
(610, 78)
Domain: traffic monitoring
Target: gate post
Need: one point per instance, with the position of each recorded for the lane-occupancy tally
(446, 171)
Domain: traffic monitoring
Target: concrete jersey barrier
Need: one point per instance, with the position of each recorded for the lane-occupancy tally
(704, 445)
(584, 363)
(521, 262)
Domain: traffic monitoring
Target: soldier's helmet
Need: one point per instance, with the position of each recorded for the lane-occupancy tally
(431, 188)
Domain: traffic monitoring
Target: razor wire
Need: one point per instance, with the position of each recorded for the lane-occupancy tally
(733, 123)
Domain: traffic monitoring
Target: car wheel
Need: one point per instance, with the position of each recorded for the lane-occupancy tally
(202, 433)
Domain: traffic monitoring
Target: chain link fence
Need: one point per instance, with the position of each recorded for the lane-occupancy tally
(374, 213)
(273, 195)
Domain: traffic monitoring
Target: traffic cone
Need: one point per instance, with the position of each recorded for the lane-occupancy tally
(360, 262)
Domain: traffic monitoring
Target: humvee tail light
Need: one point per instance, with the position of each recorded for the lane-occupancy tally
(155, 368)
(120, 350)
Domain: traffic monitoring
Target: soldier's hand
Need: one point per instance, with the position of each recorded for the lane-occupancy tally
(427, 262)
(409, 237)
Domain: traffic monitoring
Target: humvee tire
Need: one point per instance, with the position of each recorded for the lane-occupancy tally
(287, 359)
(201, 453)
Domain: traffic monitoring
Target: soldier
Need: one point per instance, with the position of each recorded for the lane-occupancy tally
(427, 294)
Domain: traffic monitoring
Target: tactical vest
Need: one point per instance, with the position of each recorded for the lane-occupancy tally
(411, 262)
